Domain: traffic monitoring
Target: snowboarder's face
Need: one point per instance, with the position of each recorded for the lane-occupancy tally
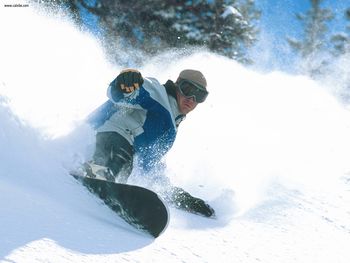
(186, 104)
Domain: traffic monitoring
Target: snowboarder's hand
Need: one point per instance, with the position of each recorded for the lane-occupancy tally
(198, 206)
(129, 80)
(183, 200)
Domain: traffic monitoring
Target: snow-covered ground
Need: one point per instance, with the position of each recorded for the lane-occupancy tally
(270, 152)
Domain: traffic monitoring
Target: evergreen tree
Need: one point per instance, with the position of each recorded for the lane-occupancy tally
(313, 47)
(340, 76)
(218, 25)
(341, 41)
(223, 26)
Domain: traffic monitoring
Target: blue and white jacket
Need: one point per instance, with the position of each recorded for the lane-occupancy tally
(148, 118)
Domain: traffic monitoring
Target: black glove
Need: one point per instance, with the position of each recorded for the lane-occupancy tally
(183, 200)
(129, 80)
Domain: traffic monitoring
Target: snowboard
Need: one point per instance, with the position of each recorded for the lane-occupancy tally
(138, 206)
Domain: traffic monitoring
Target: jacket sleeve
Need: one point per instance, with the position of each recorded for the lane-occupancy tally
(139, 97)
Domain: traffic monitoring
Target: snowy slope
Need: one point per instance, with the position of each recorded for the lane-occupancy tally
(270, 152)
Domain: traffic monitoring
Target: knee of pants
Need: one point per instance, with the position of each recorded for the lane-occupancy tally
(121, 166)
(118, 164)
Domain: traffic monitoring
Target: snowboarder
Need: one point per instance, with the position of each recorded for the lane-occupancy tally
(140, 120)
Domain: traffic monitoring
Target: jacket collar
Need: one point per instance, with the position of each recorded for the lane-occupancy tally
(170, 88)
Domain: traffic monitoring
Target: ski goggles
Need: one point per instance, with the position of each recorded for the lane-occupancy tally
(190, 89)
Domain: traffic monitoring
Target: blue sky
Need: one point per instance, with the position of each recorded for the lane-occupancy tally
(278, 15)
(278, 21)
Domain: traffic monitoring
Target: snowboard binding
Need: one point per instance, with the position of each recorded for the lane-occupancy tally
(96, 171)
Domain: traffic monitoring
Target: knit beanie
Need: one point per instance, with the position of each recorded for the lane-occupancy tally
(194, 76)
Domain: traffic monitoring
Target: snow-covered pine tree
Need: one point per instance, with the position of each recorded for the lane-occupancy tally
(225, 27)
(341, 41)
(218, 25)
(313, 47)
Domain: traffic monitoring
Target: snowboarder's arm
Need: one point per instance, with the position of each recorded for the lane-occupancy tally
(128, 88)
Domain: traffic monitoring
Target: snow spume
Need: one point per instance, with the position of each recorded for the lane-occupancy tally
(50, 71)
(253, 130)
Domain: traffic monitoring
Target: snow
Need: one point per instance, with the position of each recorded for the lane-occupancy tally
(268, 151)
(230, 10)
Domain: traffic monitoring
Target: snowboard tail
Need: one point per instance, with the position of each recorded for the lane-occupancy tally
(138, 206)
